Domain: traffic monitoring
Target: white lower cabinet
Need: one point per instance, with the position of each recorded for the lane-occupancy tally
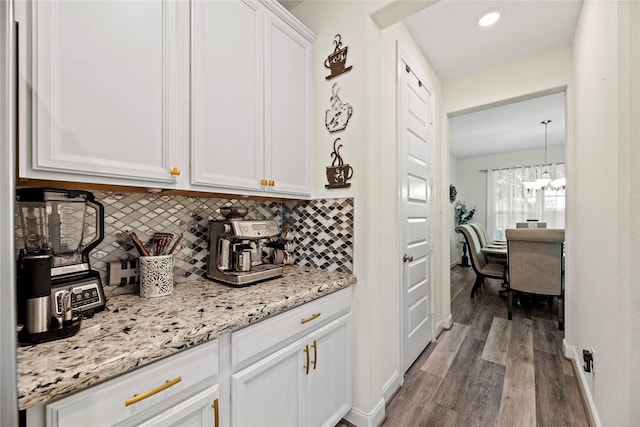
(306, 382)
(293, 369)
(271, 392)
(197, 411)
(150, 393)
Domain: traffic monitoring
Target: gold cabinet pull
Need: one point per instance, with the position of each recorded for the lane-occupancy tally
(306, 367)
(216, 413)
(138, 397)
(310, 318)
(271, 183)
(315, 353)
(174, 171)
(263, 182)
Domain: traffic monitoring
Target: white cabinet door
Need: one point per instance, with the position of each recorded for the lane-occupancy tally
(103, 89)
(227, 94)
(271, 392)
(329, 381)
(199, 410)
(288, 106)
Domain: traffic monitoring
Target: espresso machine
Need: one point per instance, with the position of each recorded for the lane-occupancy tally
(236, 248)
(58, 229)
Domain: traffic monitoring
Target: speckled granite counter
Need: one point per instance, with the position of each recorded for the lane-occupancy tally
(136, 331)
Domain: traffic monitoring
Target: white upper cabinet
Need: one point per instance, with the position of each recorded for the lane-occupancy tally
(200, 95)
(103, 90)
(251, 98)
(287, 100)
(227, 94)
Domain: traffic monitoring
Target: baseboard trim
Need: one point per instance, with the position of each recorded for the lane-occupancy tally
(443, 324)
(362, 419)
(391, 386)
(592, 413)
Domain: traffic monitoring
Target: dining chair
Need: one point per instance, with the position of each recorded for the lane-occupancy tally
(482, 266)
(535, 265)
(482, 235)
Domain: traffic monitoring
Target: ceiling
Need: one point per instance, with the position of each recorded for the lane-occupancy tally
(455, 45)
(511, 127)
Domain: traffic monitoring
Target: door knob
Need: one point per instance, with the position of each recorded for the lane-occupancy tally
(407, 258)
(174, 171)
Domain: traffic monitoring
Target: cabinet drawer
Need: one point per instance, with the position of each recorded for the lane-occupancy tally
(105, 404)
(253, 340)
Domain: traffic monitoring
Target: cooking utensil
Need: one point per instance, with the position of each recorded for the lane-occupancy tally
(175, 245)
(139, 245)
(160, 242)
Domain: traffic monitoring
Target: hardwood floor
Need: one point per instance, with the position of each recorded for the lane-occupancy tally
(490, 371)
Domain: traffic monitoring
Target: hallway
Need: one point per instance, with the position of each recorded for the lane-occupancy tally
(489, 371)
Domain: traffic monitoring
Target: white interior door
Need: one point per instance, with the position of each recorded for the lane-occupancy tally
(415, 139)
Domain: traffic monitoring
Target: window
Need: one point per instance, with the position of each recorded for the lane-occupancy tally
(509, 201)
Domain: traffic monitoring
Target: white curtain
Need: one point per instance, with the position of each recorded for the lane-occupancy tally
(509, 202)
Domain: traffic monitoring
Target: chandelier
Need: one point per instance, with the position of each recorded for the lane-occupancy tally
(545, 178)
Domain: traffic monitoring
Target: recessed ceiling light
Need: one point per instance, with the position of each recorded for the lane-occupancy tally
(489, 18)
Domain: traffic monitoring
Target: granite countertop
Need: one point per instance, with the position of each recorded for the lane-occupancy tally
(135, 331)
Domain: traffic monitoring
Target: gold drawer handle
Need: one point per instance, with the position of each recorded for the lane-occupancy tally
(174, 171)
(271, 183)
(263, 182)
(216, 413)
(138, 397)
(309, 319)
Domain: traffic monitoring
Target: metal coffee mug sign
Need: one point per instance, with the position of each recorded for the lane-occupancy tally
(336, 61)
(337, 117)
(339, 172)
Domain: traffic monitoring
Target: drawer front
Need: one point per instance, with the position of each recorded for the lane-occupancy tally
(106, 404)
(275, 332)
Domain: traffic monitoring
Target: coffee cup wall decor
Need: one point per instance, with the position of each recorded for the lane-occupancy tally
(339, 172)
(336, 61)
(337, 117)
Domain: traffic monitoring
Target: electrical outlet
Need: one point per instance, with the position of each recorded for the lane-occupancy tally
(123, 272)
(587, 358)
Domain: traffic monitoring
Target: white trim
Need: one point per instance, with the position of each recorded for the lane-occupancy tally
(8, 381)
(443, 324)
(392, 385)
(363, 419)
(570, 352)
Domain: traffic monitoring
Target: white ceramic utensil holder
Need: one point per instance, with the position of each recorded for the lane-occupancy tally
(156, 276)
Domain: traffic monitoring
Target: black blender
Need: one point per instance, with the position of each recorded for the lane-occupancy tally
(58, 227)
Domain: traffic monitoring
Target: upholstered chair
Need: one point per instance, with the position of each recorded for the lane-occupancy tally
(536, 265)
(482, 266)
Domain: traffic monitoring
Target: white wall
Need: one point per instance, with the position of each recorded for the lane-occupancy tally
(369, 145)
(604, 159)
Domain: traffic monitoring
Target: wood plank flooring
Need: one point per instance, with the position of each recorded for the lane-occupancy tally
(490, 371)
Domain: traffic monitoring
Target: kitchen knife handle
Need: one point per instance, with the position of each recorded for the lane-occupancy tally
(138, 397)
